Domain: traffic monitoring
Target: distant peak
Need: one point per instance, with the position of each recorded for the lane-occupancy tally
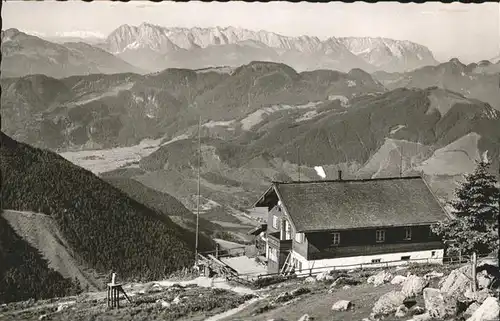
(11, 32)
(455, 61)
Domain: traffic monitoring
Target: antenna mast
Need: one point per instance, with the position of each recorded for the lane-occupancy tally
(198, 197)
(400, 161)
(298, 161)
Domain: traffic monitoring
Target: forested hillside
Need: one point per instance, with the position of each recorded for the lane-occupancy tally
(163, 203)
(24, 273)
(107, 229)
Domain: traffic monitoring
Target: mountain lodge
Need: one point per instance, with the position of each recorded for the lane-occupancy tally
(315, 224)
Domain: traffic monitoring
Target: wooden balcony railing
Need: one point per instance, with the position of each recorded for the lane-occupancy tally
(281, 245)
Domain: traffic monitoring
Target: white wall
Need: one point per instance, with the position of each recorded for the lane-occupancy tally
(348, 263)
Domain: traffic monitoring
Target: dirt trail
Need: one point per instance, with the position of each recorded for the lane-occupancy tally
(41, 232)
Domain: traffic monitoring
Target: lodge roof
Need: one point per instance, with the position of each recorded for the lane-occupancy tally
(351, 204)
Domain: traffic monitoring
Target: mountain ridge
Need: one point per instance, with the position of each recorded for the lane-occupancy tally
(24, 54)
(295, 51)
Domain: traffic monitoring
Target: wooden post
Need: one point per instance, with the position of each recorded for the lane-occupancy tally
(108, 296)
(217, 250)
(474, 268)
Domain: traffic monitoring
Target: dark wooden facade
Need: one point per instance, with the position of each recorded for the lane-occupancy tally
(363, 242)
(355, 242)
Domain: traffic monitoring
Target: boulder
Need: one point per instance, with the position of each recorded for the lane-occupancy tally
(324, 276)
(388, 303)
(344, 280)
(488, 261)
(401, 311)
(306, 317)
(310, 279)
(64, 306)
(380, 278)
(398, 279)
(433, 274)
(488, 311)
(471, 309)
(163, 303)
(414, 285)
(345, 287)
(457, 282)
(479, 296)
(439, 305)
(422, 317)
(177, 300)
(299, 291)
(417, 310)
(283, 297)
(342, 305)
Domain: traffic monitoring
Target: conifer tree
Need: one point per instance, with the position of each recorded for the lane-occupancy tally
(473, 226)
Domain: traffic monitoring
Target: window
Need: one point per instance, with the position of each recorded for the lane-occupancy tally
(433, 253)
(299, 237)
(407, 233)
(405, 258)
(380, 236)
(335, 238)
(288, 230)
(431, 234)
(273, 254)
(376, 261)
(275, 222)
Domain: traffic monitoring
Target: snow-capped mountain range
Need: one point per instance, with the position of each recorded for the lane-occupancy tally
(390, 54)
(302, 53)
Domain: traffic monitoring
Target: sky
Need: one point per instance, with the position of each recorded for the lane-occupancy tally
(470, 32)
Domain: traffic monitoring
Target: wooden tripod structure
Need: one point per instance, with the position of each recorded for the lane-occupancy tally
(113, 298)
(114, 289)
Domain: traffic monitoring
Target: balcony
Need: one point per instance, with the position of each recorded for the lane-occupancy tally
(374, 249)
(282, 245)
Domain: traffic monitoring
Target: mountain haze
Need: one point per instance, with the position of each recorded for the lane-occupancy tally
(24, 54)
(480, 81)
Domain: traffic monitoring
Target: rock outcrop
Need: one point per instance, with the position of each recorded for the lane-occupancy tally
(488, 311)
(440, 305)
(414, 285)
(380, 278)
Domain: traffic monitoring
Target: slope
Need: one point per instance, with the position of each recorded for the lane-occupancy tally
(162, 202)
(381, 135)
(471, 80)
(24, 54)
(103, 226)
(41, 232)
(24, 273)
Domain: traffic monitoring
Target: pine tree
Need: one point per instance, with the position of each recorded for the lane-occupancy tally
(473, 226)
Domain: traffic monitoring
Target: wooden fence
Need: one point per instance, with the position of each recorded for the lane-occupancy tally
(317, 270)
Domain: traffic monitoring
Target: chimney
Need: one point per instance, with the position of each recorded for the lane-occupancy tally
(340, 175)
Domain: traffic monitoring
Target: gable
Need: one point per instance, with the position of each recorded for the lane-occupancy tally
(270, 199)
